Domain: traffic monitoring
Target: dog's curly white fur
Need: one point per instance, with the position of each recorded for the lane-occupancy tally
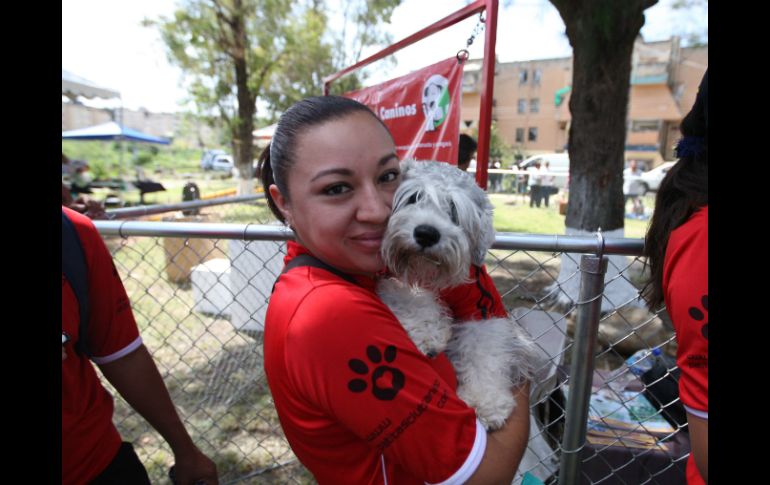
(440, 225)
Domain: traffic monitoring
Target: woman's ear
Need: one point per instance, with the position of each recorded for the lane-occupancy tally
(281, 203)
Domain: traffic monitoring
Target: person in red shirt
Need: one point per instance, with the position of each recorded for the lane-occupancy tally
(676, 246)
(92, 451)
(358, 402)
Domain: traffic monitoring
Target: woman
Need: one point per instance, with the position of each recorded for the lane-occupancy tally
(356, 399)
(676, 246)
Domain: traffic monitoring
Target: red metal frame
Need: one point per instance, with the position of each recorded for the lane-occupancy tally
(487, 71)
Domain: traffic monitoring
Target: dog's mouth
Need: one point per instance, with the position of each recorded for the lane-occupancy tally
(429, 258)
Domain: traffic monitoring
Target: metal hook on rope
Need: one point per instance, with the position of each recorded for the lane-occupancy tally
(463, 55)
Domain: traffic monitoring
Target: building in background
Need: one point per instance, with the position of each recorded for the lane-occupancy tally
(531, 100)
(184, 128)
(175, 126)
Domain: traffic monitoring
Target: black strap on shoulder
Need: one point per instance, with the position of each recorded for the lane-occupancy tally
(308, 260)
(73, 265)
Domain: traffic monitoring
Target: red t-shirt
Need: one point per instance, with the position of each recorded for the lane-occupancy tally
(358, 402)
(685, 289)
(477, 300)
(89, 438)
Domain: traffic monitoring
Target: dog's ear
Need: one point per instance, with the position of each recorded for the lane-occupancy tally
(485, 240)
(484, 229)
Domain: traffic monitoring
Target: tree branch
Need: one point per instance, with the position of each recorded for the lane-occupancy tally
(223, 113)
(222, 20)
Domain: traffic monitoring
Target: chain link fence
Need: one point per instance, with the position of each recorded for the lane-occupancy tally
(199, 292)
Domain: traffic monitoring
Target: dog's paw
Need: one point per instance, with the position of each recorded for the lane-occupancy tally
(493, 422)
(427, 321)
(430, 338)
(524, 359)
(492, 408)
(494, 418)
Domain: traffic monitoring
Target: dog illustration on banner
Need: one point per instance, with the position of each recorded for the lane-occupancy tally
(440, 225)
(435, 101)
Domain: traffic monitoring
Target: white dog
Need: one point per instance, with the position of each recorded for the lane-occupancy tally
(440, 225)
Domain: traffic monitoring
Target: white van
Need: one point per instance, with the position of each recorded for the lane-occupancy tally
(558, 165)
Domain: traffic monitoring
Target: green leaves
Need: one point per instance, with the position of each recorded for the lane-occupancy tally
(237, 54)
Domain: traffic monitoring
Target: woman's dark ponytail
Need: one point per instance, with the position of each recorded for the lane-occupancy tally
(266, 176)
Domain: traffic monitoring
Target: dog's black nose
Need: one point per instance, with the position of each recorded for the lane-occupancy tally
(426, 236)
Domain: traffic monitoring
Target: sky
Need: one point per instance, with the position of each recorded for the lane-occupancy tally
(103, 41)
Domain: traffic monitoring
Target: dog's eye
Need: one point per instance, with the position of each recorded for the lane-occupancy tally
(453, 213)
(412, 199)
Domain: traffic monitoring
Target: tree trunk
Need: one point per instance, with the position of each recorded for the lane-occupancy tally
(602, 34)
(244, 140)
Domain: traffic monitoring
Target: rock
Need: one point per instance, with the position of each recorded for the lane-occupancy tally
(630, 329)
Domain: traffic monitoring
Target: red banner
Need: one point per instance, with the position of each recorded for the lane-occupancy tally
(421, 110)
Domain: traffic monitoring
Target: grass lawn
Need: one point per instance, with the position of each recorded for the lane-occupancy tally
(513, 214)
(174, 167)
(207, 182)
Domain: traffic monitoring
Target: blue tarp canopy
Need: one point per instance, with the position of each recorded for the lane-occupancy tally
(111, 131)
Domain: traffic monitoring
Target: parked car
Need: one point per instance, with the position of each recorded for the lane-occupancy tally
(654, 177)
(208, 158)
(648, 181)
(223, 163)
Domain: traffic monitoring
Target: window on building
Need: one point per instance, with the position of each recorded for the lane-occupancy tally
(536, 75)
(532, 134)
(645, 125)
(522, 106)
(534, 105)
(519, 135)
(522, 76)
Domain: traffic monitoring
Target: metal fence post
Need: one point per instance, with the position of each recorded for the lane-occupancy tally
(592, 270)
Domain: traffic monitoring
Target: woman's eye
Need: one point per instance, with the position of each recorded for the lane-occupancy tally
(336, 189)
(390, 176)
